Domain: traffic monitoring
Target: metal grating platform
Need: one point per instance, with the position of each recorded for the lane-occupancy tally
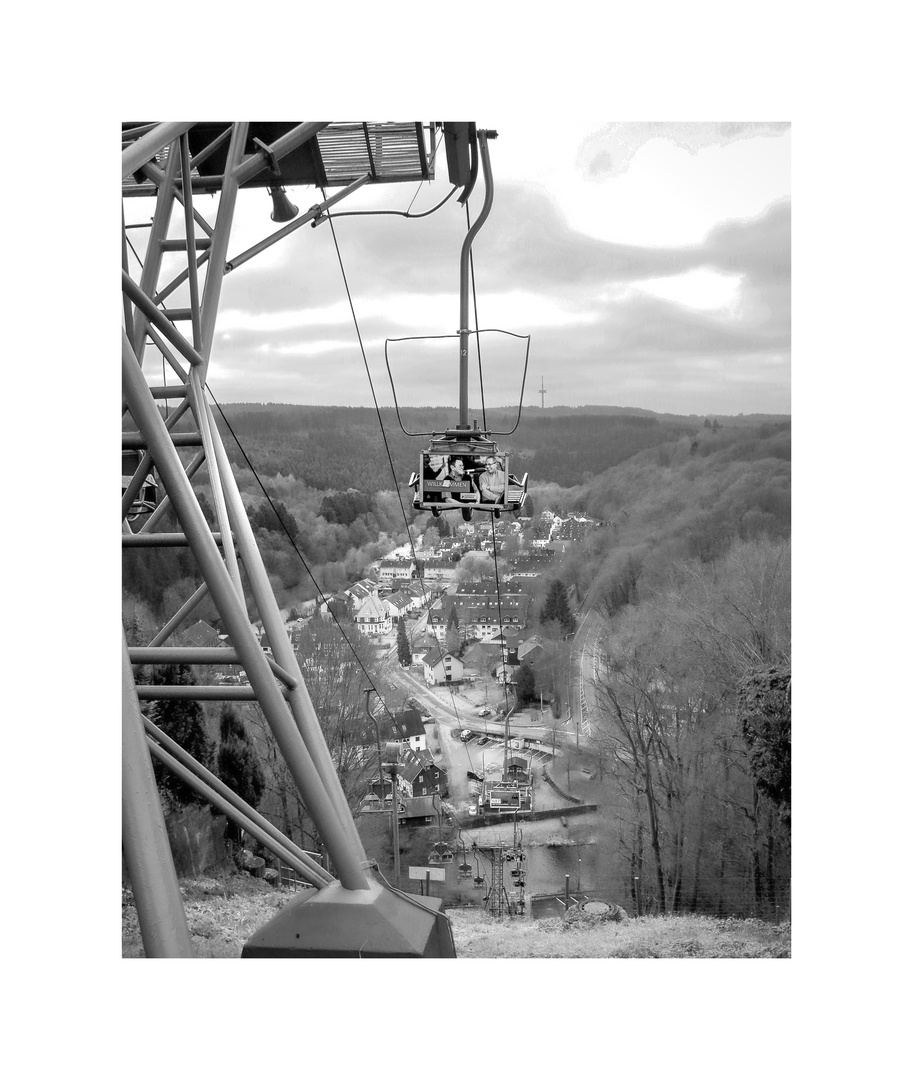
(337, 155)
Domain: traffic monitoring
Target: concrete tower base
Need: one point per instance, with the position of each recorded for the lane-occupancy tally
(373, 922)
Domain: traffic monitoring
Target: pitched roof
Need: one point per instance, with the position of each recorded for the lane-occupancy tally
(201, 633)
(410, 722)
(421, 806)
(480, 653)
(438, 563)
(529, 646)
(372, 608)
(434, 656)
(482, 608)
(417, 762)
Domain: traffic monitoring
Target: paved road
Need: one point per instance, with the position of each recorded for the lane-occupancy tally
(444, 705)
(584, 656)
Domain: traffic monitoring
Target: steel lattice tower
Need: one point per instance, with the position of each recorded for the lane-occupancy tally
(174, 163)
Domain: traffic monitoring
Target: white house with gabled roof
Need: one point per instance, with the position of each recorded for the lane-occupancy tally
(440, 668)
(397, 604)
(373, 617)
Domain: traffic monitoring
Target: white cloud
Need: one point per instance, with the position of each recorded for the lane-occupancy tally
(705, 290)
(659, 278)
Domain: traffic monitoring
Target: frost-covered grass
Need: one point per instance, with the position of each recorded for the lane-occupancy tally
(479, 936)
(222, 913)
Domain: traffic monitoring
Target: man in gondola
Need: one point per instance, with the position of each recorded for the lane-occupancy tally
(492, 481)
(458, 475)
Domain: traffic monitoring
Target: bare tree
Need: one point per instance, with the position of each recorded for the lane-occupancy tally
(336, 672)
(667, 732)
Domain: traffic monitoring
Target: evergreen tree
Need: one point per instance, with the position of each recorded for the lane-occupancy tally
(556, 608)
(765, 707)
(403, 648)
(237, 764)
(526, 685)
(453, 639)
(184, 722)
(277, 521)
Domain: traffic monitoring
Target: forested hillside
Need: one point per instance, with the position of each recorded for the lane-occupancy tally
(690, 578)
(689, 572)
(689, 498)
(668, 486)
(340, 448)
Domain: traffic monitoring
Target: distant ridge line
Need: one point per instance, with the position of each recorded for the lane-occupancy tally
(536, 411)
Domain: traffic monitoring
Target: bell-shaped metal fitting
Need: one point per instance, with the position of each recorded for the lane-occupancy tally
(283, 207)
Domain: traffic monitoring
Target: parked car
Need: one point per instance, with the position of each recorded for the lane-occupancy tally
(465, 735)
(483, 740)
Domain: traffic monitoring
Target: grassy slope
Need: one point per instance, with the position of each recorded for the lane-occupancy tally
(223, 913)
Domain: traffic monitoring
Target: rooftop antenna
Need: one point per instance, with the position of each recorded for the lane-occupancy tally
(543, 391)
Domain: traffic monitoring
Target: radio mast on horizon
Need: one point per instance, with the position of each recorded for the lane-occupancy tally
(543, 391)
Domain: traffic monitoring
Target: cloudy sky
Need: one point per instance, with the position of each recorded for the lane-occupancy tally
(648, 262)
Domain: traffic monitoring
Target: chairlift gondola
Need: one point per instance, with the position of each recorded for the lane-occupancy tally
(443, 852)
(462, 468)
